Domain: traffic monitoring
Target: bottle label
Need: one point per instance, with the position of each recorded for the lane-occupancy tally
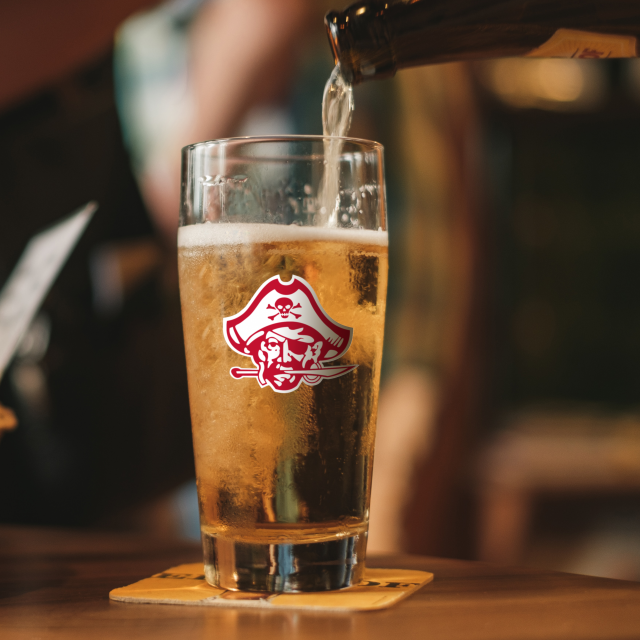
(569, 43)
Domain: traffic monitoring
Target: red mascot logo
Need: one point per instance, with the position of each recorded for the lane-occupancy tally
(288, 335)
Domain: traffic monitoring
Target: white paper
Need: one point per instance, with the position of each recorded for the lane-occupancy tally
(33, 276)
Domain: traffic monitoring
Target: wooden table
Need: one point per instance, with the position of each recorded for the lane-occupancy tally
(54, 584)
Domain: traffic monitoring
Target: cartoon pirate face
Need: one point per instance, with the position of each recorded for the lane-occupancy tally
(288, 336)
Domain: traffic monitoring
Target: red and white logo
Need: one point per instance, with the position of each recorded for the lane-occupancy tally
(288, 335)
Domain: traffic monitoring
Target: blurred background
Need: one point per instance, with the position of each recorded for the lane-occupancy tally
(509, 419)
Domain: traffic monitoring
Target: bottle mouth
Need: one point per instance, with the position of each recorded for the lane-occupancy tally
(360, 42)
(333, 23)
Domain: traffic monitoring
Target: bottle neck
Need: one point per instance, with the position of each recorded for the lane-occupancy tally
(361, 42)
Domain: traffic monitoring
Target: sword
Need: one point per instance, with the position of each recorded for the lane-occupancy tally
(325, 372)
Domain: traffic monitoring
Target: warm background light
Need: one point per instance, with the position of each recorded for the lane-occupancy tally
(555, 84)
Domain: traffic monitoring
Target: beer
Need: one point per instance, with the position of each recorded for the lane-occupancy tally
(283, 457)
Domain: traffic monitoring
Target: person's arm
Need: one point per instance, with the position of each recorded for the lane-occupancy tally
(242, 54)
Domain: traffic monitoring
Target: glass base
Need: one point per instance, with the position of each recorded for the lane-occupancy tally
(284, 568)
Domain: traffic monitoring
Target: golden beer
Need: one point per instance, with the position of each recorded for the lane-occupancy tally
(281, 468)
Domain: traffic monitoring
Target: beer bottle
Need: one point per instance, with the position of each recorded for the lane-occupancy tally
(376, 38)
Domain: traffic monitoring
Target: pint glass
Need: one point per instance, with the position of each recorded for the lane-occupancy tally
(283, 292)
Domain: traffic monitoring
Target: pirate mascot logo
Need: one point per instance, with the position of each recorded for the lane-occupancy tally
(288, 336)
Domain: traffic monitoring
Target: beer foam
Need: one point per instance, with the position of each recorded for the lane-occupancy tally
(210, 233)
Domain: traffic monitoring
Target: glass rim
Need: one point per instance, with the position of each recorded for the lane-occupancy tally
(367, 145)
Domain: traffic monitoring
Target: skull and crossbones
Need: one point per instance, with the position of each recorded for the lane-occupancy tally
(284, 307)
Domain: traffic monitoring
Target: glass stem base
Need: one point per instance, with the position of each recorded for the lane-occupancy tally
(284, 568)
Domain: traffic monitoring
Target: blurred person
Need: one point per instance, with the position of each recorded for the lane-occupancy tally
(217, 61)
(434, 400)
(174, 91)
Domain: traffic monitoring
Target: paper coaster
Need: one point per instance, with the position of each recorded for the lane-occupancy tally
(186, 584)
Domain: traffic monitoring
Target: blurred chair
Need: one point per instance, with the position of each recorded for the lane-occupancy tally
(542, 453)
